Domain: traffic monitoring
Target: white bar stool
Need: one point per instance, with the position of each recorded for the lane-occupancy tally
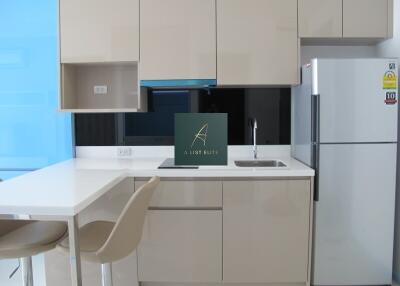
(24, 239)
(106, 242)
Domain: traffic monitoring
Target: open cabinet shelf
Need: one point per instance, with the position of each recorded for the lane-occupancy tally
(100, 87)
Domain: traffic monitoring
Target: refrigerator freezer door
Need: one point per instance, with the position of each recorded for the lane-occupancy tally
(301, 118)
(352, 100)
(354, 217)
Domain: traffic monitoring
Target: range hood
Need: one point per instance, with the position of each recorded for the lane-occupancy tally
(179, 83)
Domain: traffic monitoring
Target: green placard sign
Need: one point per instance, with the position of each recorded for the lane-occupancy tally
(201, 139)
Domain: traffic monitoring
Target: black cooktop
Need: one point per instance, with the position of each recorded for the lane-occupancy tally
(170, 164)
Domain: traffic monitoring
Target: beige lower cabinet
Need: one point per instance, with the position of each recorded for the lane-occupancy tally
(58, 273)
(208, 231)
(181, 246)
(186, 194)
(182, 236)
(266, 228)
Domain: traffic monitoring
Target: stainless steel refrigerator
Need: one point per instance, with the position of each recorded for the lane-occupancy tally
(345, 126)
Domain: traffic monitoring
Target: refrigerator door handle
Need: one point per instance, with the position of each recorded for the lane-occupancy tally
(315, 105)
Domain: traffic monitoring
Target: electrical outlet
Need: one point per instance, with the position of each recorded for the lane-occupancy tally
(124, 152)
(100, 89)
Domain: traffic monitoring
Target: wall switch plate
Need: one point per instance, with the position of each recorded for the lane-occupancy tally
(124, 152)
(100, 89)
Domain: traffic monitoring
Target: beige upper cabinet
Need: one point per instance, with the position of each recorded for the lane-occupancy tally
(320, 18)
(99, 43)
(266, 227)
(99, 31)
(177, 39)
(367, 18)
(257, 42)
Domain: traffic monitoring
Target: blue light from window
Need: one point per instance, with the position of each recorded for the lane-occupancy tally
(33, 134)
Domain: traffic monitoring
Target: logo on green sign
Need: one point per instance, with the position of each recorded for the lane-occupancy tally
(201, 135)
(201, 138)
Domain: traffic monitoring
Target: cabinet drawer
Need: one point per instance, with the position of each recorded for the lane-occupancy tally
(186, 194)
(181, 246)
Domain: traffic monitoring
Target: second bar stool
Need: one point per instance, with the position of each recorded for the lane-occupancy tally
(105, 242)
(24, 239)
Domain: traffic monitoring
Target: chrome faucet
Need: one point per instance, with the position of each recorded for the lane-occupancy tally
(254, 126)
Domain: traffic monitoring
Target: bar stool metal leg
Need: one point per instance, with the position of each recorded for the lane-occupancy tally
(106, 273)
(26, 269)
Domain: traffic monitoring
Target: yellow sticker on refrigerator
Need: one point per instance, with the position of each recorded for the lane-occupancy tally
(390, 80)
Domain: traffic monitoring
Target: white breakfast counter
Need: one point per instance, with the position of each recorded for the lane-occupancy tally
(64, 190)
(147, 167)
(69, 187)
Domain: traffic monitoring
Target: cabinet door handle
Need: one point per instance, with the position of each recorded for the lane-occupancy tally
(315, 140)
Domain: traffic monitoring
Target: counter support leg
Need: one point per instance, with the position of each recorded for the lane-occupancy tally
(26, 269)
(75, 256)
(106, 274)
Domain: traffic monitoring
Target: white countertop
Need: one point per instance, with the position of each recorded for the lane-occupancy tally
(67, 188)
(58, 190)
(147, 167)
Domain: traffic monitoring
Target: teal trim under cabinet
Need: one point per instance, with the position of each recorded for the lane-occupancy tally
(178, 83)
(33, 134)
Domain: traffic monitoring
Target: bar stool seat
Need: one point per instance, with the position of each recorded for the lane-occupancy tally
(106, 242)
(25, 238)
(92, 237)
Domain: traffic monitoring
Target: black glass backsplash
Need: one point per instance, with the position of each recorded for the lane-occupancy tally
(271, 108)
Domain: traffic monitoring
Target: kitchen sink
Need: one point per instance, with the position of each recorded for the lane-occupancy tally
(260, 163)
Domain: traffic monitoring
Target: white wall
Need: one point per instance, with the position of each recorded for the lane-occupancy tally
(391, 48)
(309, 52)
